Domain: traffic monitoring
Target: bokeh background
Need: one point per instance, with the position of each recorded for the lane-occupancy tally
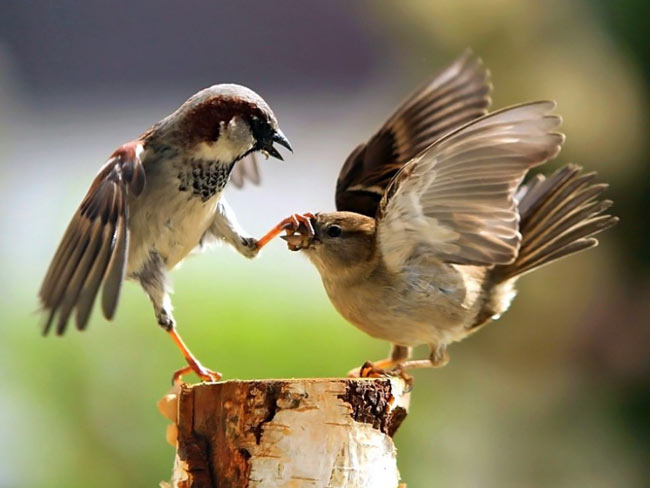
(556, 393)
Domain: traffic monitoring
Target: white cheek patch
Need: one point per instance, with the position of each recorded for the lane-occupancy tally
(238, 130)
(234, 140)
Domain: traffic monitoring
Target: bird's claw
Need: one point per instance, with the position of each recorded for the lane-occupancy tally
(401, 373)
(370, 370)
(299, 222)
(299, 231)
(295, 223)
(249, 247)
(205, 374)
(367, 370)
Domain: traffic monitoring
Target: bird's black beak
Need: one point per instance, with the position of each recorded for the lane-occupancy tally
(280, 138)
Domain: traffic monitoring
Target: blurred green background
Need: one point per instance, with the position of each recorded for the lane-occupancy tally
(556, 393)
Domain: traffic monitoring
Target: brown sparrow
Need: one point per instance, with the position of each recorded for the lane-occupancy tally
(155, 200)
(433, 230)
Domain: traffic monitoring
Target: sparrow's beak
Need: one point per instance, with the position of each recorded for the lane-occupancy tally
(297, 241)
(280, 138)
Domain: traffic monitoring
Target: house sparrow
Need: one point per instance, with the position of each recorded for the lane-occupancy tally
(432, 231)
(155, 200)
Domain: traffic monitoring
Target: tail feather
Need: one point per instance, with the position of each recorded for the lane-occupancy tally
(559, 215)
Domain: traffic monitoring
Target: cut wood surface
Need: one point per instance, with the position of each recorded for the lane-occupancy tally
(286, 433)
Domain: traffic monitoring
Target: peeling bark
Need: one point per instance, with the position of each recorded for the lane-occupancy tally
(289, 433)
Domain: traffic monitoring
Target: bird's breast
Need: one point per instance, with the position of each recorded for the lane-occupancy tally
(203, 179)
(173, 213)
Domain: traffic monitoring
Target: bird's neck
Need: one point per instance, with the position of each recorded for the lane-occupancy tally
(352, 273)
(223, 150)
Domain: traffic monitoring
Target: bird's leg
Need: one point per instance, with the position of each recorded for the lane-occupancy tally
(369, 369)
(166, 321)
(439, 357)
(193, 364)
(399, 362)
(290, 224)
(153, 278)
(225, 227)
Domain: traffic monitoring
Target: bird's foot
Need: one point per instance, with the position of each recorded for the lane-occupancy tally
(165, 319)
(299, 231)
(376, 369)
(400, 372)
(292, 224)
(206, 375)
(385, 368)
(439, 357)
(368, 370)
(193, 364)
(249, 247)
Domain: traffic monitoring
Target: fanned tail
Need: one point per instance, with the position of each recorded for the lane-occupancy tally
(560, 214)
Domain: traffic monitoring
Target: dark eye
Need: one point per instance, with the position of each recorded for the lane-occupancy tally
(334, 231)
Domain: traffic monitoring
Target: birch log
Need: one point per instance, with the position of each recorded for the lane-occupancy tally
(294, 433)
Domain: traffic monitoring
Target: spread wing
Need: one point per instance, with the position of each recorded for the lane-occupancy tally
(94, 248)
(245, 170)
(459, 94)
(458, 196)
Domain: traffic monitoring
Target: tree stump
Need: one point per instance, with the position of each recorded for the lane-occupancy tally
(293, 433)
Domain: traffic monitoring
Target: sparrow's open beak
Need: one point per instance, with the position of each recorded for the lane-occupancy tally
(297, 241)
(280, 138)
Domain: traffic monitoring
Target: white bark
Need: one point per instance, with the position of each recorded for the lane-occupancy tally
(331, 433)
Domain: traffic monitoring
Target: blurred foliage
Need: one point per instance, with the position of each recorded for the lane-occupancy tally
(554, 394)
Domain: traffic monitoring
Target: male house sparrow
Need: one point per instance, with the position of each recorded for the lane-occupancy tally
(433, 229)
(156, 199)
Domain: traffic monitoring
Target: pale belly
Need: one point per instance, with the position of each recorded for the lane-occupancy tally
(400, 324)
(410, 312)
(168, 222)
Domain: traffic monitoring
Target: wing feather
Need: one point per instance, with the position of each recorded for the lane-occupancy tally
(116, 270)
(94, 247)
(458, 196)
(459, 94)
(560, 214)
(92, 283)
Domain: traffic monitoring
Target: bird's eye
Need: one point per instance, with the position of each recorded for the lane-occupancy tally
(334, 231)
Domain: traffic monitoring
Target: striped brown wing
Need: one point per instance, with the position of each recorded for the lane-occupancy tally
(94, 248)
(560, 215)
(458, 196)
(459, 94)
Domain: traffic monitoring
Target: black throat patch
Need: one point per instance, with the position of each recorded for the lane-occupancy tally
(204, 178)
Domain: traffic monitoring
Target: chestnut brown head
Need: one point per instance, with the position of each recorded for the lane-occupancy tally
(226, 122)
